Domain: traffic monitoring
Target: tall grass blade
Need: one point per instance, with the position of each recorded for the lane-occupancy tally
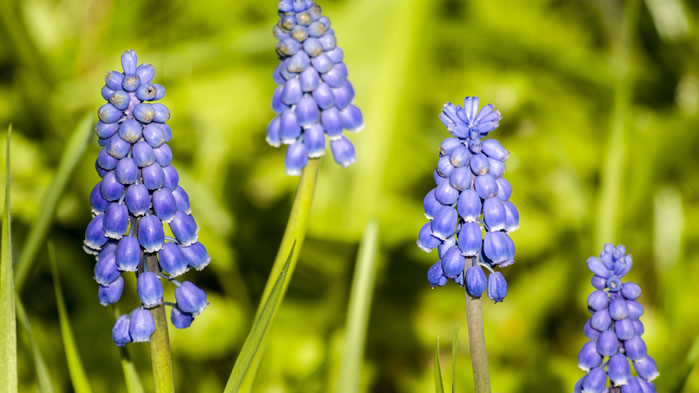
(687, 367)
(438, 385)
(8, 324)
(75, 367)
(42, 372)
(358, 311)
(258, 330)
(37, 233)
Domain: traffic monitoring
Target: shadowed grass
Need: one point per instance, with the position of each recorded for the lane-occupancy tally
(42, 373)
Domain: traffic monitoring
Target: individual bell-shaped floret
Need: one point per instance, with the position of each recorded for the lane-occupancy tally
(172, 260)
(137, 199)
(128, 254)
(180, 319)
(470, 239)
(607, 343)
(588, 357)
(435, 275)
(164, 205)
(343, 151)
(142, 325)
(598, 300)
(110, 294)
(444, 222)
(619, 370)
(475, 281)
(196, 255)
(95, 237)
(453, 262)
(116, 221)
(184, 228)
(150, 289)
(150, 234)
(296, 158)
(106, 269)
(594, 381)
(635, 348)
(120, 331)
(646, 368)
(425, 240)
(497, 287)
(190, 298)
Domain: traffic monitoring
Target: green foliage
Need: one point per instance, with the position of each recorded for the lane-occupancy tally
(37, 234)
(8, 328)
(259, 328)
(75, 366)
(42, 373)
(550, 67)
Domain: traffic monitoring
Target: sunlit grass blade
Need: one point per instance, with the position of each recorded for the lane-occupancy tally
(71, 156)
(689, 364)
(358, 311)
(438, 385)
(8, 324)
(454, 345)
(258, 330)
(42, 373)
(131, 378)
(75, 366)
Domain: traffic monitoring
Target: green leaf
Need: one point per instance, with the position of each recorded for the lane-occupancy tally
(438, 385)
(133, 382)
(687, 367)
(258, 330)
(35, 239)
(358, 311)
(453, 358)
(8, 324)
(75, 367)
(42, 372)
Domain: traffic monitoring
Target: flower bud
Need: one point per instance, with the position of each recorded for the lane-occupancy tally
(589, 358)
(106, 269)
(635, 348)
(137, 199)
(116, 221)
(172, 260)
(598, 300)
(452, 262)
(425, 240)
(184, 228)
(343, 151)
(470, 239)
(619, 370)
(128, 254)
(469, 206)
(164, 205)
(150, 233)
(594, 381)
(435, 275)
(444, 222)
(646, 368)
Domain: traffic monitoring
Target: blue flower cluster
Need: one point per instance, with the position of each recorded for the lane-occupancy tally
(614, 329)
(471, 197)
(313, 97)
(138, 194)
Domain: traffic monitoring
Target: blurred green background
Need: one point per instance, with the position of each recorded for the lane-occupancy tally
(601, 106)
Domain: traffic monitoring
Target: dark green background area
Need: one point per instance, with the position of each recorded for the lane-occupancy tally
(600, 111)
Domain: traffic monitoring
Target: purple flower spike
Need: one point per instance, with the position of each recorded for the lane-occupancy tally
(471, 201)
(139, 193)
(313, 97)
(615, 330)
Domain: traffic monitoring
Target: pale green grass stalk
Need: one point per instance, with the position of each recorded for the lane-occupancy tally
(359, 309)
(161, 357)
(8, 324)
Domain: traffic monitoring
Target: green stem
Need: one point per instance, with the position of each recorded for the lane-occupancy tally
(161, 356)
(476, 339)
(294, 235)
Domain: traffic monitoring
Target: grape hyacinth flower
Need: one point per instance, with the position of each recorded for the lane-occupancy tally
(470, 213)
(138, 194)
(313, 98)
(614, 330)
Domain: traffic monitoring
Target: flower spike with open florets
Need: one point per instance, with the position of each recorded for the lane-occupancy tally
(313, 97)
(614, 330)
(471, 197)
(138, 194)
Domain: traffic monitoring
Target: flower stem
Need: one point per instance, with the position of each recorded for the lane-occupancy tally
(476, 339)
(295, 232)
(160, 344)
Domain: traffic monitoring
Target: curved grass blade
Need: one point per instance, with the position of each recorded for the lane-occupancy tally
(258, 330)
(358, 311)
(438, 385)
(75, 366)
(42, 372)
(8, 324)
(689, 364)
(35, 240)
(453, 358)
(133, 382)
